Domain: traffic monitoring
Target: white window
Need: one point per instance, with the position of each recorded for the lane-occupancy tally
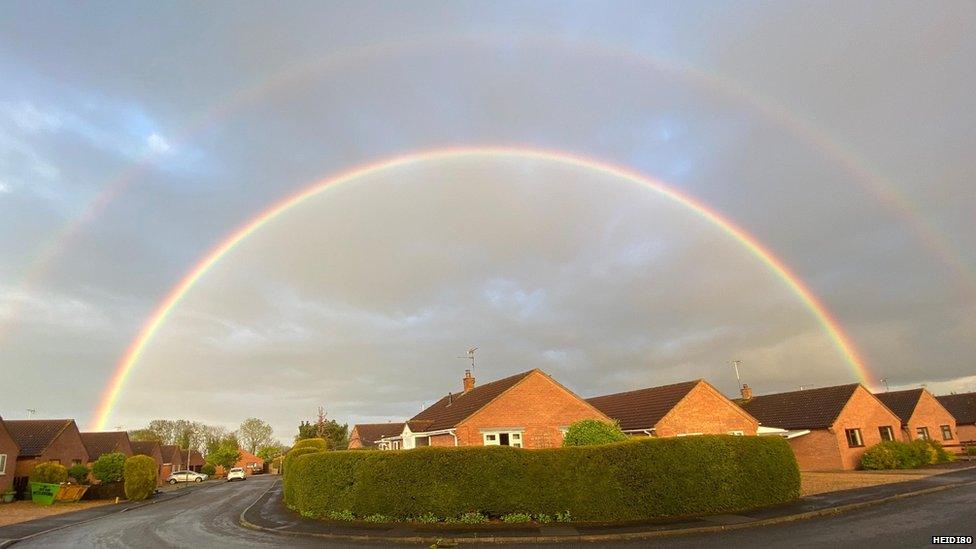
(689, 434)
(3, 464)
(736, 433)
(503, 438)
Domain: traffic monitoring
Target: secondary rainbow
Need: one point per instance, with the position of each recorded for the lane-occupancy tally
(827, 322)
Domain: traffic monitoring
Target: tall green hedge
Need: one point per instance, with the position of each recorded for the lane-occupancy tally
(140, 477)
(631, 480)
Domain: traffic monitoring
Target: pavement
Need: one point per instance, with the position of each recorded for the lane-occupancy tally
(269, 514)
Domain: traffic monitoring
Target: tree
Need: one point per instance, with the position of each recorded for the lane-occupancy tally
(270, 451)
(79, 472)
(109, 467)
(590, 432)
(145, 434)
(254, 433)
(225, 454)
(335, 434)
(140, 477)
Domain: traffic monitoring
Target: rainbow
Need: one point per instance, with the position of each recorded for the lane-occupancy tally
(829, 324)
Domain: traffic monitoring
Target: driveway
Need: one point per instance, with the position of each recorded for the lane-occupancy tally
(208, 518)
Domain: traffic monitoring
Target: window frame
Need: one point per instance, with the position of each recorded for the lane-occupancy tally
(887, 433)
(922, 433)
(3, 464)
(493, 437)
(858, 435)
(946, 429)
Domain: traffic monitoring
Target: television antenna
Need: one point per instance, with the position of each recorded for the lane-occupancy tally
(31, 412)
(735, 366)
(470, 356)
(884, 381)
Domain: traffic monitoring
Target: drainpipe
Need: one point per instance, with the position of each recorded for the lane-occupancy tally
(454, 434)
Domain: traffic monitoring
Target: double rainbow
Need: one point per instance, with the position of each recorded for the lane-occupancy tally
(827, 322)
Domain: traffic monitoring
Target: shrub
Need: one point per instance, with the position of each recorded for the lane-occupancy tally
(941, 454)
(630, 480)
(543, 518)
(79, 472)
(427, 518)
(894, 454)
(472, 517)
(564, 517)
(513, 518)
(140, 477)
(109, 467)
(49, 472)
(886, 455)
(970, 450)
(589, 432)
(208, 469)
(341, 515)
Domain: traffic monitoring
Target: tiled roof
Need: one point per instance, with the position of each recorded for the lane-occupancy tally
(806, 409)
(902, 403)
(643, 408)
(170, 451)
(369, 433)
(196, 458)
(447, 412)
(35, 435)
(961, 406)
(3, 429)
(145, 447)
(103, 443)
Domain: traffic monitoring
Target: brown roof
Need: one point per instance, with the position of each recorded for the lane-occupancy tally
(447, 412)
(146, 447)
(806, 409)
(643, 408)
(369, 433)
(902, 403)
(961, 406)
(3, 429)
(35, 435)
(170, 451)
(196, 458)
(103, 443)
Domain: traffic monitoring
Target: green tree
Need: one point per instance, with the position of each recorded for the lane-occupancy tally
(270, 451)
(79, 472)
(336, 434)
(225, 454)
(140, 477)
(254, 434)
(590, 432)
(145, 434)
(109, 467)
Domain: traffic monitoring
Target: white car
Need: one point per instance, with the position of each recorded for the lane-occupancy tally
(235, 474)
(186, 476)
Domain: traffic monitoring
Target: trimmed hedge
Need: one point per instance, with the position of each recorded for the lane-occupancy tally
(140, 477)
(904, 455)
(49, 472)
(630, 480)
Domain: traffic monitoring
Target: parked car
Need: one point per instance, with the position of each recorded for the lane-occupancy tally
(186, 476)
(235, 474)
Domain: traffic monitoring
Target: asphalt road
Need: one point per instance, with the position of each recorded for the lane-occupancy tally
(208, 518)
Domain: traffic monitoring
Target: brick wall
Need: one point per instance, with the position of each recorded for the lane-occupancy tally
(8, 447)
(354, 440)
(65, 449)
(817, 451)
(707, 411)
(966, 433)
(930, 414)
(537, 405)
(866, 412)
(442, 440)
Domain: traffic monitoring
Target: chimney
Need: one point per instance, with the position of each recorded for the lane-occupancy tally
(746, 391)
(468, 381)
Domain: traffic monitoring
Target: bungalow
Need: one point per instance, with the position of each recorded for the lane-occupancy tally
(526, 410)
(110, 442)
(43, 440)
(680, 409)
(9, 450)
(154, 450)
(841, 422)
(195, 460)
(367, 435)
(172, 460)
(922, 416)
(963, 408)
(251, 464)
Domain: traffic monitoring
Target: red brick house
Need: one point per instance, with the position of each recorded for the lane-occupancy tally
(172, 459)
(196, 460)
(154, 450)
(367, 435)
(922, 416)
(44, 440)
(680, 409)
(9, 450)
(99, 443)
(252, 464)
(842, 422)
(526, 410)
(963, 408)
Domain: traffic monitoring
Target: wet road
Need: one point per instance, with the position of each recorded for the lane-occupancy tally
(208, 518)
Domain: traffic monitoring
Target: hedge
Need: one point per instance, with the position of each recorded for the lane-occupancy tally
(49, 472)
(140, 477)
(895, 454)
(109, 467)
(630, 480)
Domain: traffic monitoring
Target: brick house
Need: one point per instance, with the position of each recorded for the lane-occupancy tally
(922, 416)
(367, 435)
(9, 450)
(842, 422)
(526, 410)
(963, 408)
(195, 460)
(172, 459)
(679, 409)
(154, 450)
(43, 440)
(99, 443)
(252, 464)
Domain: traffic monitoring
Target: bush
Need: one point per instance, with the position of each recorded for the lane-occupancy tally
(286, 464)
(49, 472)
(208, 469)
(630, 480)
(140, 477)
(970, 450)
(512, 518)
(590, 432)
(894, 454)
(79, 472)
(109, 467)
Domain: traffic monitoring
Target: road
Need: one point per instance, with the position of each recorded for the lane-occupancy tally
(208, 518)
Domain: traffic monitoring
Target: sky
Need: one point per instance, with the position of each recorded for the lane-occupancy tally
(135, 137)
